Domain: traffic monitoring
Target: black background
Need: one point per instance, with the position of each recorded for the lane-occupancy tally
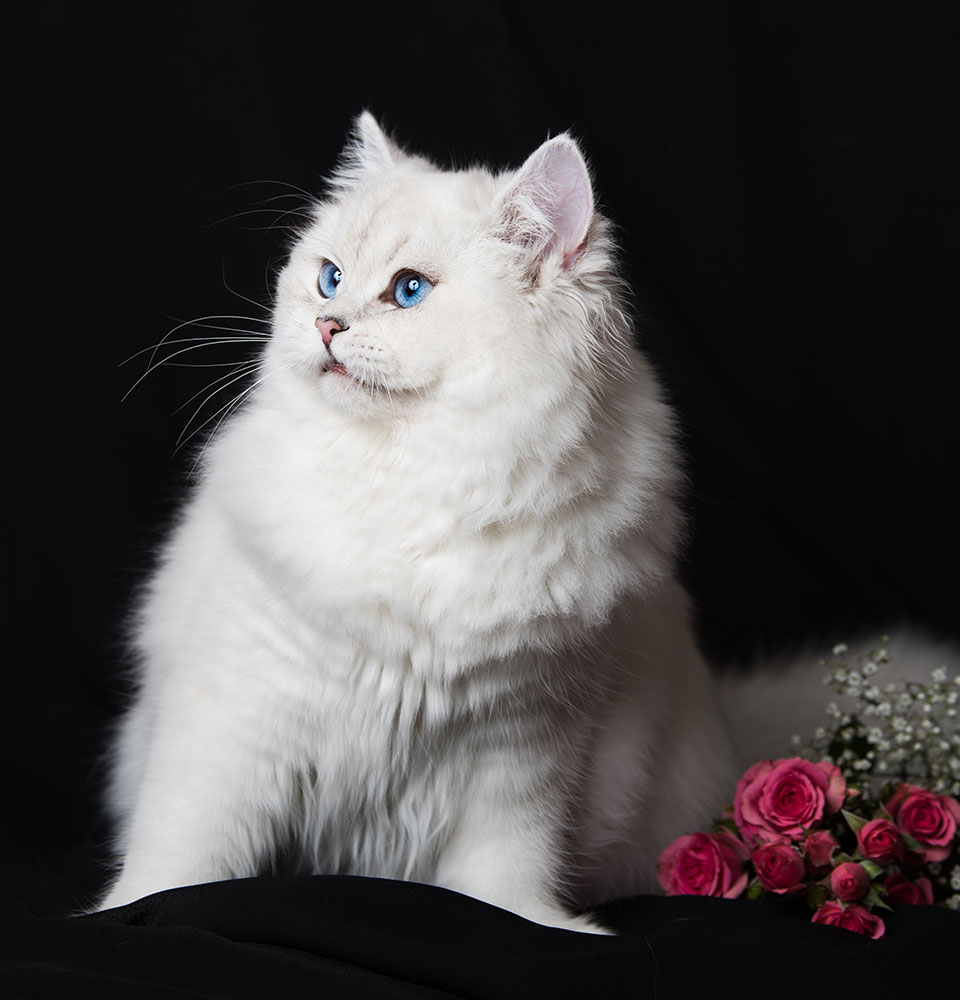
(784, 179)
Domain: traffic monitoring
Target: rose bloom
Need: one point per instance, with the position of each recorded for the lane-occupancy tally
(777, 800)
(849, 881)
(919, 891)
(818, 849)
(852, 917)
(880, 841)
(700, 864)
(931, 819)
(779, 867)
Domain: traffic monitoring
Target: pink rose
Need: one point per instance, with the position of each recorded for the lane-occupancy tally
(852, 917)
(699, 864)
(902, 890)
(931, 819)
(849, 881)
(818, 849)
(880, 841)
(779, 867)
(776, 800)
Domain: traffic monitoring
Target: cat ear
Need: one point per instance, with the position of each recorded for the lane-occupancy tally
(373, 147)
(369, 151)
(548, 205)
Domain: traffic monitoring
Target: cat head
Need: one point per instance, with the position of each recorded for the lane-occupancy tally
(416, 287)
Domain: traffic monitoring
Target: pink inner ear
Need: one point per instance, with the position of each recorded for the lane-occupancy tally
(556, 181)
(573, 208)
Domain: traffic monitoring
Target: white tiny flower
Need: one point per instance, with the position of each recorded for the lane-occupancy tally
(840, 649)
(953, 901)
(940, 675)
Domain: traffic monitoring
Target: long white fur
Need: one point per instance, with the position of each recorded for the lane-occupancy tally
(422, 621)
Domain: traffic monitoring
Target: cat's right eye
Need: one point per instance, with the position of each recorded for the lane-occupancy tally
(329, 278)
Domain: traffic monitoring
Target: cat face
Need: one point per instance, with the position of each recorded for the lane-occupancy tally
(415, 285)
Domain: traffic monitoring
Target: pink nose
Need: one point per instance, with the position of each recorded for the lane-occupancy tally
(327, 328)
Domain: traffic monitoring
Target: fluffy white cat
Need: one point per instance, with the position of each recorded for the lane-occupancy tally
(420, 617)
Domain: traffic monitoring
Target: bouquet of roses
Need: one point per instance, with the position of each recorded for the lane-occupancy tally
(863, 817)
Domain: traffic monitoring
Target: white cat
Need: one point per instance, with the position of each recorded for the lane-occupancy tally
(420, 618)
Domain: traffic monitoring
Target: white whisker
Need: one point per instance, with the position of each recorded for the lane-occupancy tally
(183, 350)
(181, 440)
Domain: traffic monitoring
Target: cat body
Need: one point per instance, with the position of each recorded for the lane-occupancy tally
(420, 617)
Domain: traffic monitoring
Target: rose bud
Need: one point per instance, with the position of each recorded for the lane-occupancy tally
(849, 881)
(880, 841)
(932, 820)
(780, 868)
(818, 849)
(902, 890)
(852, 917)
(702, 865)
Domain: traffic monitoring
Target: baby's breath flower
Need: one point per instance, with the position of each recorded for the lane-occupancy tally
(890, 731)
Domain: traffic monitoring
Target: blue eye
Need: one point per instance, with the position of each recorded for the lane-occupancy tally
(330, 276)
(410, 289)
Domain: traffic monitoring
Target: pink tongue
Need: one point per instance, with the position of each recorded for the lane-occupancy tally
(338, 368)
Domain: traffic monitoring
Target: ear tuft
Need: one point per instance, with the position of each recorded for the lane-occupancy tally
(374, 147)
(368, 152)
(548, 206)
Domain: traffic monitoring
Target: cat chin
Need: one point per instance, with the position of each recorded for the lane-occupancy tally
(352, 396)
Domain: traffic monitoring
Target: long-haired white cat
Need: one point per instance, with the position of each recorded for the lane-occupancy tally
(420, 617)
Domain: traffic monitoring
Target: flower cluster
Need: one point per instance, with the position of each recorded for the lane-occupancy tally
(864, 817)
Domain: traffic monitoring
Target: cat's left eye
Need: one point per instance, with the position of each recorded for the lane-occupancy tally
(329, 278)
(411, 289)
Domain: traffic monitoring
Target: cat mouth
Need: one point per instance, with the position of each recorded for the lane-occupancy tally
(333, 365)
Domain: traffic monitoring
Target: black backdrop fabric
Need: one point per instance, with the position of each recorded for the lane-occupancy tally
(784, 180)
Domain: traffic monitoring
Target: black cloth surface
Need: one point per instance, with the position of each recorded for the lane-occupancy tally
(373, 938)
(784, 179)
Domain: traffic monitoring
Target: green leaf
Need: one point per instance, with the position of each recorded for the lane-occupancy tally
(872, 899)
(754, 891)
(726, 824)
(816, 896)
(872, 869)
(853, 821)
(911, 842)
